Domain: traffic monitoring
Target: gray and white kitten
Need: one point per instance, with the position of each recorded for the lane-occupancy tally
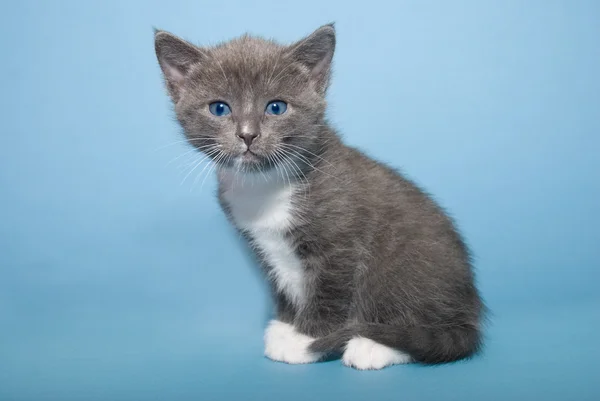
(360, 260)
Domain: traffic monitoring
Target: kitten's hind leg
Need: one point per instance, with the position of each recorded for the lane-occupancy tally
(365, 354)
(376, 345)
(283, 343)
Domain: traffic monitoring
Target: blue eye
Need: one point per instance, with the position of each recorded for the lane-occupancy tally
(219, 109)
(276, 108)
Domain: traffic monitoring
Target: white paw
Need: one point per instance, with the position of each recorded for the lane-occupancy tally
(363, 353)
(284, 344)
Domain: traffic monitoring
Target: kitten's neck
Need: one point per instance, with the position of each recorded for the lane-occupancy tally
(233, 179)
(257, 201)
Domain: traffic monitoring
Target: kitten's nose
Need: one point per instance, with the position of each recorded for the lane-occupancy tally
(248, 138)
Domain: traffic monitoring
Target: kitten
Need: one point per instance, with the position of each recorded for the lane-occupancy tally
(360, 260)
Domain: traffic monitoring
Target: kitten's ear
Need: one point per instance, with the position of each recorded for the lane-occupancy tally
(316, 52)
(175, 57)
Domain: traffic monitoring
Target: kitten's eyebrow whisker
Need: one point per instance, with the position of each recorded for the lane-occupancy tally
(218, 63)
(273, 71)
(223, 71)
(279, 77)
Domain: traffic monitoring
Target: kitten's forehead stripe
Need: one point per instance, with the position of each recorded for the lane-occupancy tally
(248, 107)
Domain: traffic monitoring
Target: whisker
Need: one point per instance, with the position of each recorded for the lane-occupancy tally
(194, 158)
(297, 168)
(307, 161)
(218, 62)
(263, 175)
(198, 164)
(203, 148)
(169, 144)
(279, 165)
(294, 166)
(309, 152)
(273, 71)
(279, 76)
(188, 140)
(201, 171)
(287, 173)
(212, 166)
(217, 161)
(274, 164)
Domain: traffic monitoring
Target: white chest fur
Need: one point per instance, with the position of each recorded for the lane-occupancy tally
(265, 210)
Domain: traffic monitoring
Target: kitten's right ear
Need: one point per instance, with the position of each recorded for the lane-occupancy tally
(316, 53)
(176, 57)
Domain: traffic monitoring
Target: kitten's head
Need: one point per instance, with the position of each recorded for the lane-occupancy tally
(250, 102)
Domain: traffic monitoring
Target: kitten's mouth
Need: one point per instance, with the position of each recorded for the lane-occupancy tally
(250, 156)
(250, 161)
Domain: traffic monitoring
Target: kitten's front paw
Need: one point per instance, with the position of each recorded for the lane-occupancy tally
(284, 344)
(365, 354)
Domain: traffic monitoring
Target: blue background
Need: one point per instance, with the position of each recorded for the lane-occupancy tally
(117, 282)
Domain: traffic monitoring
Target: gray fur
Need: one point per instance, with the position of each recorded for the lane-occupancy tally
(382, 259)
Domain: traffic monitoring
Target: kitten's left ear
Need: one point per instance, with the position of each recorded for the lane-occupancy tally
(176, 57)
(316, 52)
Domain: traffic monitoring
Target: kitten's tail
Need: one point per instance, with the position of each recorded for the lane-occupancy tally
(425, 345)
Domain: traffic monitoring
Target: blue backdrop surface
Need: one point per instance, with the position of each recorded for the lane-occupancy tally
(120, 282)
